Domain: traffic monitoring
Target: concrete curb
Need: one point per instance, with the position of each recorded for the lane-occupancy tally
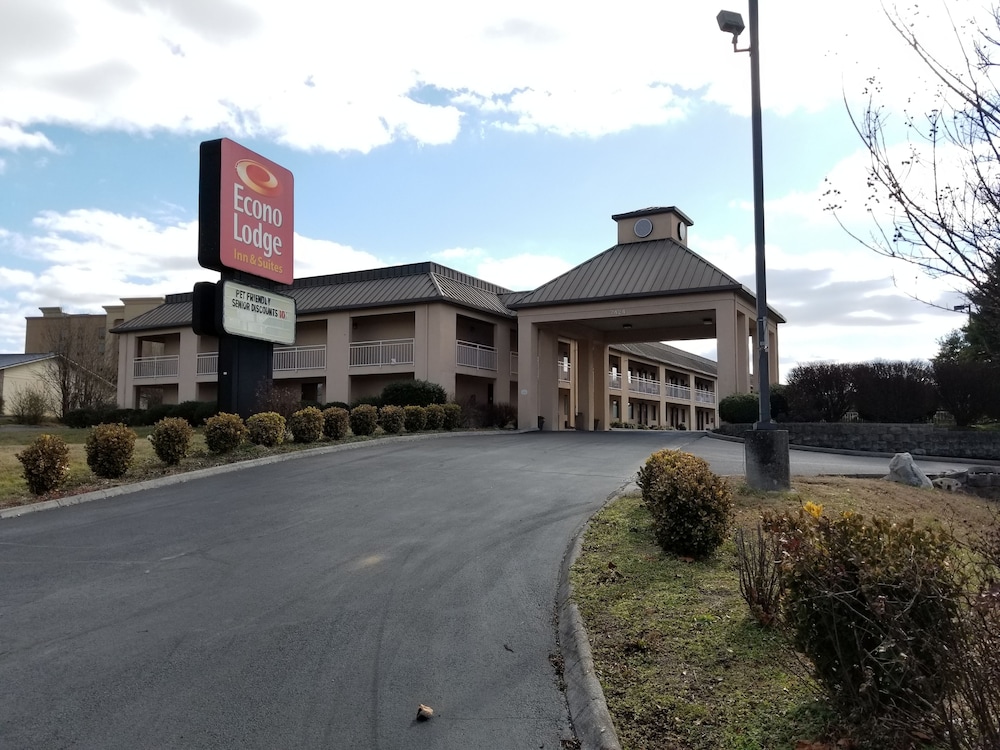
(588, 709)
(874, 454)
(187, 476)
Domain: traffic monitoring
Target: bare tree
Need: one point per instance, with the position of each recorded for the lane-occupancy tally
(81, 374)
(935, 197)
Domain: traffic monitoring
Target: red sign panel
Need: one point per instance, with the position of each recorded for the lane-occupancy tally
(255, 229)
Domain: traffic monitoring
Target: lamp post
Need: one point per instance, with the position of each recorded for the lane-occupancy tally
(766, 447)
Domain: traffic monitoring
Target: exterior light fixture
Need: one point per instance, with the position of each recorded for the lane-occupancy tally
(731, 23)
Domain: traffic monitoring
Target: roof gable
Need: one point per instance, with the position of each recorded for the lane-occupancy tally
(379, 287)
(13, 360)
(636, 269)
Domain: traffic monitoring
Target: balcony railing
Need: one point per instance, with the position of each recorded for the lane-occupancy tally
(639, 384)
(478, 356)
(704, 397)
(208, 363)
(285, 358)
(681, 392)
(382, 353)
(615, 380)
(513, 363)
(563, 368)
(299, 358)
(164, 366)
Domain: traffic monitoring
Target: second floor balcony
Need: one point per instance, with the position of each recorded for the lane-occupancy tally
(639, 384)
(286, 359)
(385, 353)
(477, 356)
(680, 392)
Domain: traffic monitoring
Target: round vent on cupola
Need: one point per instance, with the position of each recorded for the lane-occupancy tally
(643, 227)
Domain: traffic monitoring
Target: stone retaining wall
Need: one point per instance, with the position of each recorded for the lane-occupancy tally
(917, 439)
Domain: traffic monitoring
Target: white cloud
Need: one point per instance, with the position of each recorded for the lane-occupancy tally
(354, 76)
(12, 138)
(83, 259)
(455, 254)
(521, 272)
(517, 272)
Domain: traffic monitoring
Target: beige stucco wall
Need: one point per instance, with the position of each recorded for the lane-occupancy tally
(30, 375)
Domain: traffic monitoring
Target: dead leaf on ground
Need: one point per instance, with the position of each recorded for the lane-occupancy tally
(424, 712)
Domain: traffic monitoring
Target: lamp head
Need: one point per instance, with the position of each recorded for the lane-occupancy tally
(731, 23)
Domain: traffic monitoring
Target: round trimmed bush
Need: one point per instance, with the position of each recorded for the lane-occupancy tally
(414, 418)
(739, 408)
(45, 463)
(692, 508)
(364, 419)
(391, 418)
(224, 432)
(266, 428)
(336, 422)
(452, 416)
(435, 417)
(109, 450)
(306, 425)
(171, 439)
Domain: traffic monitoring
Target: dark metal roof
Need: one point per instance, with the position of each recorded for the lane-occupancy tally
(669, 355)
(173, 313)
(637, 269)
(396, 285)
(13, 360)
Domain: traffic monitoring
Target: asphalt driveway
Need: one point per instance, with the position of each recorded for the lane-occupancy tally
(315, 602)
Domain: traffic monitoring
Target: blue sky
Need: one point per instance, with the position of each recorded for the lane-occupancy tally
(497, 139)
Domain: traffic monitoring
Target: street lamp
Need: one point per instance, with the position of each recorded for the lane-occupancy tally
(766, 447)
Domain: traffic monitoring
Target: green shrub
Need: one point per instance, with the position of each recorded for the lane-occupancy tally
(109, 450)
(29, 405)
(185, 410)
(79, 418)
(691, 507)
(266, 428)
(224, 432)
(205, 410)
(152, 415)
(414, 418)
(435, 416)
(894, 391)
(306, 425)
(391, 418)
(375, 401)
(171, 439)
(874, 606)
(336, 422)
(452, 416)
(739, 408)
(819, 391)
(45, 463)
(413, 393)
(364, 419)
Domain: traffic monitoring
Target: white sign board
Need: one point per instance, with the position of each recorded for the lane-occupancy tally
(257, 314)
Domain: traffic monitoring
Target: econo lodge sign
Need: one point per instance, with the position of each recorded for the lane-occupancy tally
(245, 211)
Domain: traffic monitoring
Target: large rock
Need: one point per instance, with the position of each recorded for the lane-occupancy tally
(902, 469)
